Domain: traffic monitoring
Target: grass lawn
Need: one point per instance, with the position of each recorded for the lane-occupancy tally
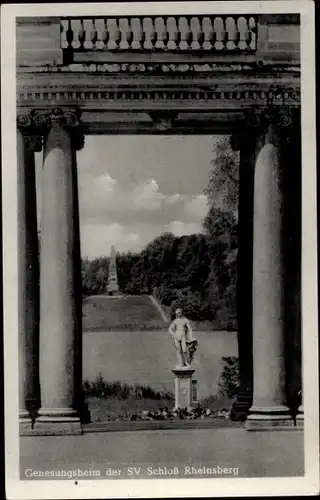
(129, 312)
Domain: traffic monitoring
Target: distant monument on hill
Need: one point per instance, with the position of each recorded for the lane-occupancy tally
(113, 286)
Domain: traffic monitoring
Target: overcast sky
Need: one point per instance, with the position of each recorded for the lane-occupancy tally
(133, 188)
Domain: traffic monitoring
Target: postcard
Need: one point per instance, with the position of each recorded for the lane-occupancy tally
(159, 230)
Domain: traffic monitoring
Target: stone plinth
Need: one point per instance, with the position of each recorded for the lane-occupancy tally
(183, 387)
(25, 423)
(300, 417)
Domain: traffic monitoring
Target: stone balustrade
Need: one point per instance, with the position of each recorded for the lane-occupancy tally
(166, 33)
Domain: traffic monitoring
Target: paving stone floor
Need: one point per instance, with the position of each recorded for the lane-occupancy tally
(248, 454)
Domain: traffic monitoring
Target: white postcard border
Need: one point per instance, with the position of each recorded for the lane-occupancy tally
(15, 488)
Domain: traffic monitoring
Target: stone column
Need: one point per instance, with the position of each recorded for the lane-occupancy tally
(245, 139)
(59, 320)
(28, 276)
(79, 400)
(291, 159)
(269, 408)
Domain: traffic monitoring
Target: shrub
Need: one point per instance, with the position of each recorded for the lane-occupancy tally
(229, 377)
(191, 304)
(101, 389)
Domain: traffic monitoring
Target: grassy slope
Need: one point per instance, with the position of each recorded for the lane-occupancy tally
(137, 312)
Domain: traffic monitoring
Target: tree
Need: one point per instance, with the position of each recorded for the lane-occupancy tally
(220, 227)
(223, 185)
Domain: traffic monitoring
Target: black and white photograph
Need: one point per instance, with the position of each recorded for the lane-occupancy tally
(159, 229)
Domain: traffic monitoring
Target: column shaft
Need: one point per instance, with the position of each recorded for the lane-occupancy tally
(269, 407)
(28, 281)
(59, 316)
(79, 400)
(23, 413)
(243, 400)
(291, 158)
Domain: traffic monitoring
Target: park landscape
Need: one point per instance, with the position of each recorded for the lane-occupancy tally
(128, 354)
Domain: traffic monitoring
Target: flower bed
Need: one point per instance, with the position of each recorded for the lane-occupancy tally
(166, 414)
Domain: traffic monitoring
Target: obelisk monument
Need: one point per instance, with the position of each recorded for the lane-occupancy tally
(113, 286)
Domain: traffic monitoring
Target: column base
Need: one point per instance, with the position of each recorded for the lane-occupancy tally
(267, 418)
(300, 418)
(57, 422)
(58, 426)
(241, 406)
(25, 423)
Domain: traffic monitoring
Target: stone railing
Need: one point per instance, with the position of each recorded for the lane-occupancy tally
(166, 33)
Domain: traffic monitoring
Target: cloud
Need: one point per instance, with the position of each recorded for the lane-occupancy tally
(96, 240)
(197, 208)
(129, 216)
(104, 199)
(147, 196)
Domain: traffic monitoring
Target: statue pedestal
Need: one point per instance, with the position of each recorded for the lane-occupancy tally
(183, 387)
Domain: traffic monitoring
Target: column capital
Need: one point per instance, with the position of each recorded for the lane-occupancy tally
(36, 123)
(33, 142)
(257, 122)
(262, 118)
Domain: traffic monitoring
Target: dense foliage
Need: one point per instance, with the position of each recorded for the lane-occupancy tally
(196, 272)
(229, 377)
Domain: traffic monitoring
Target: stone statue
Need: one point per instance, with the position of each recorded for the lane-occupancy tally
(185, 344)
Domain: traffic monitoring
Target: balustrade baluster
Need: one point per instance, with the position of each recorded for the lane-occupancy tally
(172, 33)
(78, 31)
(87, 44)
(149, 32)
(160, 29)
(182, 27)
(207, 33)
(109, 39)
(123, 27)
(101, 33)
(194, 27)
(252, 41)
(220, 33)
(136, 33)
(63, 36)
(243, 33)
(231, 33)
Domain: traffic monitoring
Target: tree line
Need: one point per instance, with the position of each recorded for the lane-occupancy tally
(197, 272)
